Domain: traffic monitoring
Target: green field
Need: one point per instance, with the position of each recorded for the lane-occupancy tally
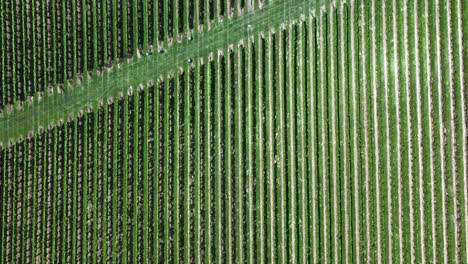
(233, 131)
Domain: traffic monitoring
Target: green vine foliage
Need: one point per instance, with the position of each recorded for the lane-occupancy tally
(232, 131)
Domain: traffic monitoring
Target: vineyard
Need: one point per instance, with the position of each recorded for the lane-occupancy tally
(232, 131)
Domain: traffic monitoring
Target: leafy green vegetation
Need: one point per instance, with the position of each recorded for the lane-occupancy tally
(290, 131)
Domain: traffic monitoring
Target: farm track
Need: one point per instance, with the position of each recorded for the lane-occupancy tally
(299, 132)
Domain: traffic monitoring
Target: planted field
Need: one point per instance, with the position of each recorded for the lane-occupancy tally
(48, 43)
(287, 131)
